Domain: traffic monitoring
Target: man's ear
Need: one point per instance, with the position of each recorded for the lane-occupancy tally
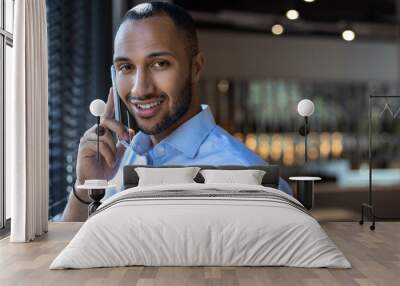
(197, 67)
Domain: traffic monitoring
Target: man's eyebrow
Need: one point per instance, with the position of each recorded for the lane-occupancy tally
(151, 55)
(121, 59)
(163, 53)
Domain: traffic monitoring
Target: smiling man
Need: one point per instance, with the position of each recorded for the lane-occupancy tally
(158, 66)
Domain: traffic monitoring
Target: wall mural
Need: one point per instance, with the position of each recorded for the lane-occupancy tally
(259, 112)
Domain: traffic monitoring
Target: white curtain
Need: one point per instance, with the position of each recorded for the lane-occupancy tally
(27, 123)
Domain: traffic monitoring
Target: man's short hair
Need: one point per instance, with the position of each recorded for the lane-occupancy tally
(182, 19)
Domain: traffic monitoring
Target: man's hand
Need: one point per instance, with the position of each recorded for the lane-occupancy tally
(110, 153)
(87, 166)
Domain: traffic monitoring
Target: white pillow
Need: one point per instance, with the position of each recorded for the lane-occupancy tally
(248, 177)
(162, 176)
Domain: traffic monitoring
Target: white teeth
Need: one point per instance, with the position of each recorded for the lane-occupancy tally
(149, 105)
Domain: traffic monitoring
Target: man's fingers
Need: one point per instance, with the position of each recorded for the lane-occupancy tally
(106, 138)
(110, 104)
(116, 127)
(120, 152)
(113, 125)
(90, 130)
(104, 150)
(121, 147)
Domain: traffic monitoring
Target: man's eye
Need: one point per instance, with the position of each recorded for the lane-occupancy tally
(125, 67)
(160, 64)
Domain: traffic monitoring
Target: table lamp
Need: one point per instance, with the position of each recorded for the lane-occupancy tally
(96, 187)
(305, 184)
(305, 108)
(98, 108)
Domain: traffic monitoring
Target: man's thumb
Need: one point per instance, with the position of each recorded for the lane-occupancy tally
(131, 133)
(120, 151)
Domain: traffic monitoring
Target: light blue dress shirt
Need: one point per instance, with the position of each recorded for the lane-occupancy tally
(199, 141)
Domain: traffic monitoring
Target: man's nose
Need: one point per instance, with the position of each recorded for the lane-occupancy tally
(142, 84)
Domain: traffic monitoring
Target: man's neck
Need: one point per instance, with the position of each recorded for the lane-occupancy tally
(193, 110)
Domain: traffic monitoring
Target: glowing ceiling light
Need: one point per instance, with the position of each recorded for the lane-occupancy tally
(309, 1)
(277, 29)
(348, 35)
(292, 14)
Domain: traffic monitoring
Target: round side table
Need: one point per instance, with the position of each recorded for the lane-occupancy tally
(95, 193)
(305, 190)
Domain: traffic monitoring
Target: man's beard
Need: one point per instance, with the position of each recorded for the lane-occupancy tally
(180, 107)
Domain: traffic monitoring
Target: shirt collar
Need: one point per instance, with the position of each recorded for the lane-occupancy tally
(187, 138)
(141, 143)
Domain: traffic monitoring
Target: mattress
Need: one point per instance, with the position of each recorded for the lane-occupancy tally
(201, 225)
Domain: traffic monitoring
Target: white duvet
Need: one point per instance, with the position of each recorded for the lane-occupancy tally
(185, 230)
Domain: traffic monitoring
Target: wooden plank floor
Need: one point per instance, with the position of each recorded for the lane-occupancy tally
(375, 257)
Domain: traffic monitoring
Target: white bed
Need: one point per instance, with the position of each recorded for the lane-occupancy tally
(201, 224)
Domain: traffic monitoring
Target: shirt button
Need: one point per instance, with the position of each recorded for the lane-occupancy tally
(160, 151)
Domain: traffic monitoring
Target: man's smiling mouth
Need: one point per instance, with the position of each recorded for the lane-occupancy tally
(148, 105)
(147, 108)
